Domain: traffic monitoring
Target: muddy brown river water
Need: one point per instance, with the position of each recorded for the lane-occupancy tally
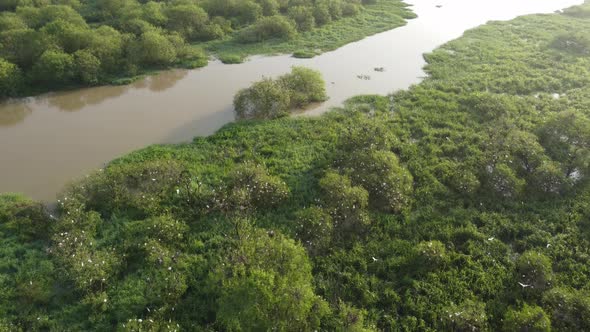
(49, 140)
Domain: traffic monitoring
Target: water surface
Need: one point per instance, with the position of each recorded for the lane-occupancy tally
(47, 141)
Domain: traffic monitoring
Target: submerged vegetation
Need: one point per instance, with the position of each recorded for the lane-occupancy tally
(49, 45)
(460, 204)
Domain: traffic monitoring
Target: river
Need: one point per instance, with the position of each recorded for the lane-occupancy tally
(49, 140)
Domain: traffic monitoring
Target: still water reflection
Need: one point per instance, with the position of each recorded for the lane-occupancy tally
(46, 141)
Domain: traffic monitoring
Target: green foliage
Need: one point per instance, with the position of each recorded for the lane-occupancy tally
(569, 309)
(250, 186)
(22, 217)
(139, 190)
(468, 316)
(460, 204)
(332, 30)
(305, 86)
(268, 287)
(26, 273)
(267, 28)
(304, 54)
(528, 318)
(10, 78)
(346, 203)
(351, 319)
(188, 20)
(266, 99)
(430, 255)
(87, 66)
(54, 67)
(154, 49)
(573, 42)
(21, 46)
(582, 11)
(231, 58)
(566, 138)
(350, 9)
(389, 185)
(314, 229)
(303, 17)
(269, 99)
(534, 269)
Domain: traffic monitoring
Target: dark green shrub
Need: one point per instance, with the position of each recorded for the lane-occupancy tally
(527, 319)
(266, 99)
(303, 17)
(250, 186)
(304, 86)
(267, 28)
(10, 79)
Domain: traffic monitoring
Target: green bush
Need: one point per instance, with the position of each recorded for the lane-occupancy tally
(303, 17)
(305, 86)
(152, 49)
(23, 217)
(304, 54)
(87, 67)
(390, 185)
(314, 229)
(528, 318)
(534, 269)
(250, 186)
(573, 42)
(569, 309)
(269, 99)
(54, 67)
(268, 28)
(346, 204)
(231, 58)
(268, 287)
(266, 99)
(350, 9)
(10, 79)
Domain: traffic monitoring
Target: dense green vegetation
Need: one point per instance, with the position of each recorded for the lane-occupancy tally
(460, 204)
(270, 99)
(49, 45)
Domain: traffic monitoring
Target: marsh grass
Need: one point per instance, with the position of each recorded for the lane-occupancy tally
(304, 54)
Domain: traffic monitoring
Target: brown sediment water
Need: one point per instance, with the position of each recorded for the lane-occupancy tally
(49, 140)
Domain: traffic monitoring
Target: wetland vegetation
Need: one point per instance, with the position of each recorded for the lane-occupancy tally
(271, 99)
(460, 204)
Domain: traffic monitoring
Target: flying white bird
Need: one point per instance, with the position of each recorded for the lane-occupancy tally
(523, 285)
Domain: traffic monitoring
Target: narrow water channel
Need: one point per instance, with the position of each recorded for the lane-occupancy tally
(49, 140)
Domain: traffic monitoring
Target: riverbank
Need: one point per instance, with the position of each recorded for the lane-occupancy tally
(461, 203)
(375, 18)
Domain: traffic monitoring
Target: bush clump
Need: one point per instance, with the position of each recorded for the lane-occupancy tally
(270, 99)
